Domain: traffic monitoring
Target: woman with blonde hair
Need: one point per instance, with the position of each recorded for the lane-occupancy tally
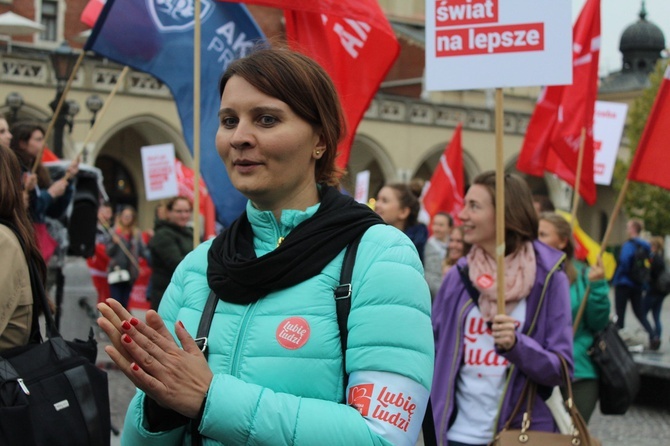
(555, 231)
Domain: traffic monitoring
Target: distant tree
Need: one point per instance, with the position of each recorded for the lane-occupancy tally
(650, 203)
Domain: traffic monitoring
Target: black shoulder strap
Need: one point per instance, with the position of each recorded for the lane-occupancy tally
(206, 322)
(465, 277)
(201, 340)
(343, 299)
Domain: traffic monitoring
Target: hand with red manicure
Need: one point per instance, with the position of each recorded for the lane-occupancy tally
(176, 378)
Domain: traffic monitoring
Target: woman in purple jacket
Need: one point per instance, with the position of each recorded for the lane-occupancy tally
(483, 359)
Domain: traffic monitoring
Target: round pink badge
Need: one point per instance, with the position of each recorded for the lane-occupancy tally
(485, 281)
(293, 333)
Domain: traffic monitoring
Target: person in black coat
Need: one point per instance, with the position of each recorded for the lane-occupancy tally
(171, 242)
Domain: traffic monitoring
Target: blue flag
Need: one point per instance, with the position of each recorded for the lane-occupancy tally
(156, 37)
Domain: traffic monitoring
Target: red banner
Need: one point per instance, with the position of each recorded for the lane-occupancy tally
(91, 12)
(553, 136)
(352, 40)
(652, 156)
(445, 193)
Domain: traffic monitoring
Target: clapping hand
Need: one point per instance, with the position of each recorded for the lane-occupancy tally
(148, 355)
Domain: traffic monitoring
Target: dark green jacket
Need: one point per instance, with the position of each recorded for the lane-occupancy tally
(168, 247)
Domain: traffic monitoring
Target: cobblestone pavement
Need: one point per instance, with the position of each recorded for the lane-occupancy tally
(643, 425)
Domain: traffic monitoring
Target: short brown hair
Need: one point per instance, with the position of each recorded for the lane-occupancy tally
(408, 198)
(305, 86)
(171, 202)
(520, 216)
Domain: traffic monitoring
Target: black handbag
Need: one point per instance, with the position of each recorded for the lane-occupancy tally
(51, 392)
(619, 378)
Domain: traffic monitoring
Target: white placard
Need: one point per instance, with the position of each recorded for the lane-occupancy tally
(608, 122)
(158, 167)
(497, 43)
(362, 186)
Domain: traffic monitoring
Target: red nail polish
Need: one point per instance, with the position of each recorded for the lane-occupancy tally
(134, 321)
(135, 366)
(126, 339)
(180, 324)
(125, 325)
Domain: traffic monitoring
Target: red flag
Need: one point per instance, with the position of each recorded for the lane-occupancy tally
(91, 12)
(352, 40)
(652, 156)
(445, 193)
(48, 155)
(554, 133)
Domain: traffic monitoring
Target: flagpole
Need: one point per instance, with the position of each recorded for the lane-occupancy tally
(196, 124)
(578, 177)
(500, 203)
(105, 106)
(59, 106)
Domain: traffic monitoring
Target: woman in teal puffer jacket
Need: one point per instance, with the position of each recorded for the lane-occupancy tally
(275, 372)
(556, 232)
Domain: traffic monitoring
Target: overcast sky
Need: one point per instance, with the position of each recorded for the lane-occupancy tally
(616, 16)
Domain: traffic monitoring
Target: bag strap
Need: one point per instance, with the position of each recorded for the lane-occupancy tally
(470, 288)
(342, 294)
(202, 336)
(580, 432)
(206, 322)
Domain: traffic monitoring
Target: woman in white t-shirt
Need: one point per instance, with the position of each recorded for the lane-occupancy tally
(483, 359)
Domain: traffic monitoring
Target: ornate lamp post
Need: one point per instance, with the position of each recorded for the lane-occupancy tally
(14, 101)
(63, 60)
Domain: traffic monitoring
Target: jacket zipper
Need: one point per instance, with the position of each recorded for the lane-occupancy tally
(67, 364)
(235, 361)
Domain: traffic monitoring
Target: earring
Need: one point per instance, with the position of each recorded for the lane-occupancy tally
(318, 152)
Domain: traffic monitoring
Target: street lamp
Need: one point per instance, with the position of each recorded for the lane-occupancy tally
(14, 101)
(94, 104)
(63, 60)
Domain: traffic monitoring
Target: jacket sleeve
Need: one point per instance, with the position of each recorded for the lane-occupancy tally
(389, 331)
(166, 249)
(432, 263)
(537, 358)
(59, 205)
(42, 201)
(597, 312)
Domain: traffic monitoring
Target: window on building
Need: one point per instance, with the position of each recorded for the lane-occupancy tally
(49, 19)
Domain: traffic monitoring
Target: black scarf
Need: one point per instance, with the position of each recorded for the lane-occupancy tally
(236, 275)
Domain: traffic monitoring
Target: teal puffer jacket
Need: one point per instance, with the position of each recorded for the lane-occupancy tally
(266, 393)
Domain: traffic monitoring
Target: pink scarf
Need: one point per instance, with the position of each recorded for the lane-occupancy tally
(520, 271)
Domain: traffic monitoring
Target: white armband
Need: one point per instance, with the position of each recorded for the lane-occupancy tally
(392, 405)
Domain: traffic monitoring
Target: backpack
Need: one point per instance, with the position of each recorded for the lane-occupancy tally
(640, 267)
(662, 282)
